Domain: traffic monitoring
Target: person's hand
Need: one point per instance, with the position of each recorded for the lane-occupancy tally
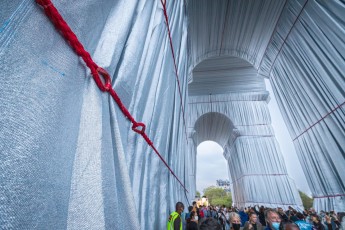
(250, 226)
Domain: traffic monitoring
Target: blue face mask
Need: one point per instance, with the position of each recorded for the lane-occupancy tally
(275, 225)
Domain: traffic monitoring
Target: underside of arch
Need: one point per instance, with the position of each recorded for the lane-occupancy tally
(214, 127)
(224, 74)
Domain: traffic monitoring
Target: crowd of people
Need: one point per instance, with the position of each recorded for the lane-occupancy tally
(253, 218)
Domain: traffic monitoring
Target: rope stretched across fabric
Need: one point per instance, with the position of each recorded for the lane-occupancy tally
(321, 119)
(96, 71)
(328, 196)
(163, 2)
(254, 202)
(266, 174)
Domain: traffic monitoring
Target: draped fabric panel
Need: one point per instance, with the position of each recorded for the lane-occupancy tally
(308, 81)
(231, 28)
(286, 20)
(257, 167)
(242, 112)
(68, 157)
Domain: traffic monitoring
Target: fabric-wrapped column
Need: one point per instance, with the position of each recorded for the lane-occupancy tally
(257, 167)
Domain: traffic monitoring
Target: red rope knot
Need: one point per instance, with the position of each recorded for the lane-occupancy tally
(139, 127)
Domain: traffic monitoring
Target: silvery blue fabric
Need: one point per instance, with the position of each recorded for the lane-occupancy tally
(68, 157)
(308, 80)
(299, 46)
(241, 124)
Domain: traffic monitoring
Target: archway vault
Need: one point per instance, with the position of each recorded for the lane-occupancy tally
(224, 74)
(213, 126)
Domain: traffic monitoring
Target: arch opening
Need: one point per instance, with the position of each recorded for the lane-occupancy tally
(211, 134)
(211, 165)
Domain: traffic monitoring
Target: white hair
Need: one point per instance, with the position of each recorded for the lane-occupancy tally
(234, 215)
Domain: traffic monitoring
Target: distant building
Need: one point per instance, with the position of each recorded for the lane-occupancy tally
(224, 184)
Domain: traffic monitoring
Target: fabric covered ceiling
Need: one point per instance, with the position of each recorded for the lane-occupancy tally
(223, 74)
(234, 28)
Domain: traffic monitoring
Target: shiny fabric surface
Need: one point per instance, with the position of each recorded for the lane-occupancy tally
(242, 126)
(308, 79)
(68, 157)
(299, 46)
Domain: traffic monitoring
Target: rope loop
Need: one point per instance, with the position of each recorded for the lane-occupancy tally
(139, 127)
(106, 86)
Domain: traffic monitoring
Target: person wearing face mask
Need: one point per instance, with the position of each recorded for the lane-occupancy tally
(252, 223)
(235, 221)
(192, 222)
(273, 220)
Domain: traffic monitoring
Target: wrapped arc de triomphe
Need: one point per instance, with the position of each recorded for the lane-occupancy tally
(68, 156)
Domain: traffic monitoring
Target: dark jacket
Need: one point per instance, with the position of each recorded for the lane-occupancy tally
(258, 226)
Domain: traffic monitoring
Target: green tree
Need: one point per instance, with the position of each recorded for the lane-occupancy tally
(197, 194)
(306, 200)
(218, 196)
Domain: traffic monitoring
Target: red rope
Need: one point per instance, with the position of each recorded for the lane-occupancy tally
(175, 66)
(322, 118)
(264, 203)
(285, 39)
(273, 174)
(208, 102)
(61, 25)
(328, 196)
(225, 22)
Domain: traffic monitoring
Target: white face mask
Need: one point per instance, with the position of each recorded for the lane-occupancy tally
(195, 217)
